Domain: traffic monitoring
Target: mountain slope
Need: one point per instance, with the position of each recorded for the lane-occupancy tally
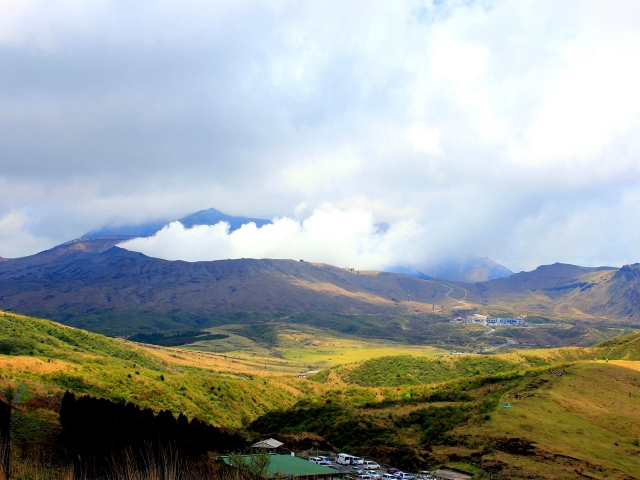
(567, 291)
(77, 283)
(468, 269)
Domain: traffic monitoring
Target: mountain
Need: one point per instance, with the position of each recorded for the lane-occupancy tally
(210, 216)
(104, 288)
(468, 269)
(567, 291)
(91, 284)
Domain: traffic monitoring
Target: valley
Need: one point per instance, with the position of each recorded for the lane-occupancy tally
(408, 405)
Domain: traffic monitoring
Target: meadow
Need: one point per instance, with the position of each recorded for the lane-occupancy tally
(415, 408)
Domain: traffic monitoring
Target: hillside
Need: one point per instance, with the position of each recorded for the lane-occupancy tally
(410, 411)
(566, 291)
(49, 358)
(91, 284)
(77, 286)
(430, 411)
(584, 424)
(468, 269)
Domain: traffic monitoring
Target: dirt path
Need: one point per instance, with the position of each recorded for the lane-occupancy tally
(461, 302)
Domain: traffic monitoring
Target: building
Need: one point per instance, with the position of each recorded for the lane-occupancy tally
(514, 322)
(270, 444)
(477, 318)
(290, 466)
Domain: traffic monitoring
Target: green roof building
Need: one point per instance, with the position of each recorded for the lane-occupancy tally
(289, 466)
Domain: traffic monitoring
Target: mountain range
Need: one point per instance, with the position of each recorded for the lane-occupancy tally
(88, 280)
(469, 268)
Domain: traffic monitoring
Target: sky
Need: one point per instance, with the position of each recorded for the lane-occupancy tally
(507, 129)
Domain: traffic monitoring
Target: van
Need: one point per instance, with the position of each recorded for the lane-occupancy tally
(344, 459)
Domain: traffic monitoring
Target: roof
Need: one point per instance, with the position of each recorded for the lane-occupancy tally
(269, 443)
(287, 465)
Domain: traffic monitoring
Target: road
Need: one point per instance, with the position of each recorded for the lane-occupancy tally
(461, 302)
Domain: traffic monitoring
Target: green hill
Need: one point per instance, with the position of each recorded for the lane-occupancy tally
(412, 412)
(50, 358)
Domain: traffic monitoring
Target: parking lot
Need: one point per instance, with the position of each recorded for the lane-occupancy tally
(376, 474)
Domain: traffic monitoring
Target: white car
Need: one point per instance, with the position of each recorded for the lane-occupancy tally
(357, 461)
(369, 465)
(374, 475)
(404, 476)
(389, 476)
(315, 460)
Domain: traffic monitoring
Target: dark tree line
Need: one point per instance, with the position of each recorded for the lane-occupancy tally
(5, 436)
(100, 430)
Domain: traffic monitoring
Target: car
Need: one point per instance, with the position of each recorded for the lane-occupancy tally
(357, 461)
(315, 459)
(374, 475)
(425, 475)
(356, 470)
(364, 476)
(388, 476)
(369, 465)
(345, 459)
(392, 471)
(404, 476)
(326, 459)
(325, 463)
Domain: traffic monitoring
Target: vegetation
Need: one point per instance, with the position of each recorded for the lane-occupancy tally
(409, 411)
(58, 358)
(177, 339)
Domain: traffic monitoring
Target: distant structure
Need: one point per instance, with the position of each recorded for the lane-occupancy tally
(270, 444)
(477, 318)
(514, 322)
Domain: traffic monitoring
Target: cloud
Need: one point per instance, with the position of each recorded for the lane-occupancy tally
(329, 235)
(15, 237)
(489, 124)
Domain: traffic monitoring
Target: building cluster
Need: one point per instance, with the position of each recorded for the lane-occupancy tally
(491, 321)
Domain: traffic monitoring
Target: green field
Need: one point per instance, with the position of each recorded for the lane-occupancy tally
(410, 406)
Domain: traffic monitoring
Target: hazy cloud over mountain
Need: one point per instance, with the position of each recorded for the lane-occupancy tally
(343, 238)
(509, 129)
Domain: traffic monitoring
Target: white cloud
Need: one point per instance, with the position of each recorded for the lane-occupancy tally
(15, 239)
(328, 235)
(472, 118)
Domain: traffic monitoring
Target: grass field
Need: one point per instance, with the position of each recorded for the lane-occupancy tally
(408, 405)
(585, 423)
(305, 348)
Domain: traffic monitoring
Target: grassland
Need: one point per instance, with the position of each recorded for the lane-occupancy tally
(49, 358)
(585, 423)
(410, 406)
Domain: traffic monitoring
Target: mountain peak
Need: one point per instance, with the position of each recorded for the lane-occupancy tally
(210, 216)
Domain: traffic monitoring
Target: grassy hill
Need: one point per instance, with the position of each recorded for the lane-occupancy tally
(585, 424)
(50, 358)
